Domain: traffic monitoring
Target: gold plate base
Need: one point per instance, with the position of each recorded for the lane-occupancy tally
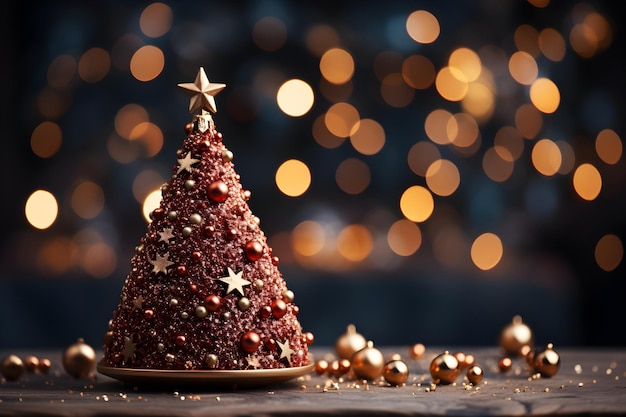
(224, 379)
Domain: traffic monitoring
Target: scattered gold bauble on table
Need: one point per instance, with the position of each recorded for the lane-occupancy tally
(79, 359)
(368, 362)
(516, 337)
(349, 343)
(12, 367)
(505, 363)
(444, 368)
(396, 372)
(475, 374)
(545, 362)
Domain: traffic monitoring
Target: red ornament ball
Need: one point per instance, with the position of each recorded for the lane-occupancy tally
(250, 341)
(254, 250)
(218, 191)
(279, 308)
(212, 302)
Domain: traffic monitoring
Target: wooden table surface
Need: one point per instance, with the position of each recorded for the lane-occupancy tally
(589, 381)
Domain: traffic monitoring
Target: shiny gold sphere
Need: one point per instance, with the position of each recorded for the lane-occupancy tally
(475, 374)
(349, 343)
(79, 359)
(368, 363)
(396, 372)
(12, 367)
(515, 337)
(546, 362)
(444, 368)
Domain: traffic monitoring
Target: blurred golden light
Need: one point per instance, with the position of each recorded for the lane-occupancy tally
(146, 182)
(46, 139)
(523, 68)
(539, 3)
(498, 163)
(423, 27)
(52, 103)
(437, 125)
(545, 95)
(41, 209)
(61, 71)
(418, 72)
(308, 238)
(293, 178)
(341, 118)
(337, 66)
(421, 156)
(123, 49)
(528, 121)
(150, 136)
(395, 91)
(442, 177)
(269, 33)
(417, 203)
(156, 20)
(147, 63)
(508, 143)
(587, 182)
(526, 39)
(552, 44)
(609, 252)
(367, 137)
(609, 146)
(128, 117)
(353, 176)
(600, 27)
(451, 84)
(479, 101)
(94, 65)
(462, 130)
(450, 247)
(322, 135)
(568, 157)
(404, 237)
(546, 157)
(57, 256)
(486, 251)
(87, 199)
(355, 242)
(151, 202)
(295, 97)
(321, 38)
(591, 34)
(467, 62)
(99, 260)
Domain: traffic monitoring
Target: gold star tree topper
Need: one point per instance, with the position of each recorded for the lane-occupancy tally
(202, 92)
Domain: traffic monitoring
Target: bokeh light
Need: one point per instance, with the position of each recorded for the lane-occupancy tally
(609, 252)
(443, 177)
(418, 72)
(367, 137)
(337, 66)
(609, 146)
(341, 118)
(94, 65)
(46, 139)
(487, 251)
(151, 202)
(293, 178)
(269, 33)
(147, 63)
(41, 209)
(308, 238)
(295, 98)
(404, 237)
(417, 203)
(156, 20)
(423, 27)
(587, 182)
(421, 156)
(546, 157)
(545, 95)
(353, 176)
(355, 242)
(87, 199)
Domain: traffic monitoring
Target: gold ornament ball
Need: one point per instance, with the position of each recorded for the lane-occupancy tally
(396, 372)
(12, 368)
(368, 362)
(515, 337)
(349, 343)
(79, 359)
(546, 362)
(444, 368)
(475, 374)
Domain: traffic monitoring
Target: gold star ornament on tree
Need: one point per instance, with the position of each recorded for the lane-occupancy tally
(202, 92)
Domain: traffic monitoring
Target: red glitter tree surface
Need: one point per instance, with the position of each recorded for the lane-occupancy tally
(204, 291)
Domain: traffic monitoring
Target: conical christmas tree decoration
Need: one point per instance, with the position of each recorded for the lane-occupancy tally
(204, 292)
